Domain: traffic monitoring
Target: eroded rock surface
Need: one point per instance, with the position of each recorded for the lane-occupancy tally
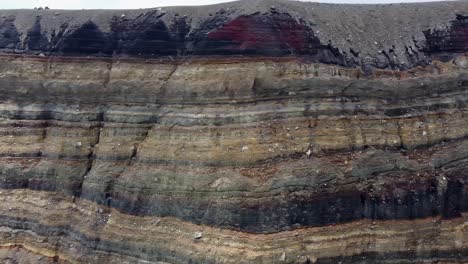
(246, 132)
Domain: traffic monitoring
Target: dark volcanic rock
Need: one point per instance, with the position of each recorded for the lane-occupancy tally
(453, 40)
(9, 39)
(36, 40)
(319, 32)
(269, 35)
(87, 39)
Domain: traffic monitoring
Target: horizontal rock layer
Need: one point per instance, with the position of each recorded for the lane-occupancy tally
(257, 146)
(62, 230)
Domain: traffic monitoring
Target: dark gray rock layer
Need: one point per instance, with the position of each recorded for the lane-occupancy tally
(398, 36)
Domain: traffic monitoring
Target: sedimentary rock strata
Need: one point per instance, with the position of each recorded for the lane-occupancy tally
(247, 132)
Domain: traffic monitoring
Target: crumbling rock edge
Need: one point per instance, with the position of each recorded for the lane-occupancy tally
(400, 36)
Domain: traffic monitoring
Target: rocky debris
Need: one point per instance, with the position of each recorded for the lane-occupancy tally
(462, 62)
(400, 36)
(197, 235)
(283, 257)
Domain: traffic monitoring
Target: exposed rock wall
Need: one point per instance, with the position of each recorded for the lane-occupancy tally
(246, 132)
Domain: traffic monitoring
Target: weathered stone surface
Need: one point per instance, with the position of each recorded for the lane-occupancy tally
(370, 36)
(266, 132)
(55, 226)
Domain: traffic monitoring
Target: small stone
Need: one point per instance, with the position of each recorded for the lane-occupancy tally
(462, 62)
(245, 148)
(198, 235)
(78, 144)
(100, 211)
(308, 153)
(424, 133)
(283, 257)
(41, 55)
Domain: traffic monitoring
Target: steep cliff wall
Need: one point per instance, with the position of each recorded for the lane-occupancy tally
(247, 132)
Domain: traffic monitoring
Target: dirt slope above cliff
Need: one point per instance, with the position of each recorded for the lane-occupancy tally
(397, 36)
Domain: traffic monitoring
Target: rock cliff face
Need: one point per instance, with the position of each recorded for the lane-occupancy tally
(247, 132)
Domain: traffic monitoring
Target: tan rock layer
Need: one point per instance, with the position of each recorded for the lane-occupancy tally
(80, 231)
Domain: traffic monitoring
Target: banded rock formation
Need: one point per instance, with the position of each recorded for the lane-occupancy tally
(246, 132)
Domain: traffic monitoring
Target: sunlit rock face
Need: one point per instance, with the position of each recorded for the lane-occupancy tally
(247, 132)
